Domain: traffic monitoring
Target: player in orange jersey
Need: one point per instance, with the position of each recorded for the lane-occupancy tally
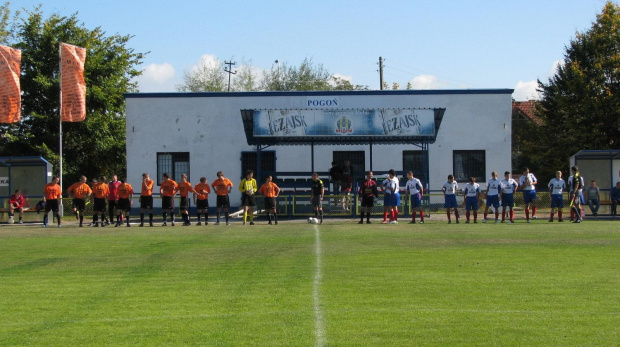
(201, 199)
(146, 199)
(79, 191)
(270, 191)
(52, 196)
(223, 187)
(168, 190)
(125, 198)
(101, 190)
(184, 189)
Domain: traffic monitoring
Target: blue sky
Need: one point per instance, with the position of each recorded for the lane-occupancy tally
(433, 44)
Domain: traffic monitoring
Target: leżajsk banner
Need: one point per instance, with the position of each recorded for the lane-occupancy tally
(10, 92)
(72, 84)
(348, 122)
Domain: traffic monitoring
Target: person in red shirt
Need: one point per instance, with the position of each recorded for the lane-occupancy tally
(184, 189)
(113, 197)
(101, 193)
(168, 190)
(201, 199)
(16, 203)
(52, 196)
(79, 191)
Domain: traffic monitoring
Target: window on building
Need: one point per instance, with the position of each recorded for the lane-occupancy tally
(469, 164)
(415, 161)
(173, 163)
(267, 163)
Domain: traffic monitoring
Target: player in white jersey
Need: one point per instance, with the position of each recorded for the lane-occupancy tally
(508, 188)
(493, 187)
(472, 192)
(449, 189)
(391, 199)
(415, 190)
(556, 188)
(528, 183)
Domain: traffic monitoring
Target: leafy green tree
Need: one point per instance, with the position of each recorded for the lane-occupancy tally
(207, 76)
(95, 146)
(580, 104)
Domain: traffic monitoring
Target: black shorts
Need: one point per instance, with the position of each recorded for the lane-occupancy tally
(78, 204)
(167, 203)
(146, 201)
(202, 204)
(248, 200)
(51, 205)
(222, 201)
(368, 201)
(184, 205)
(112, 204)
(316, 201)
(123, 205)
(270, 203)
(99, 205)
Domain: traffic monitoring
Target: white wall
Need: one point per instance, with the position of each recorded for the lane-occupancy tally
(209, 126)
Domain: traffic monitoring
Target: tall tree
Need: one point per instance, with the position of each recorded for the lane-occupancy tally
(92, 147)
(207, 76)
(580, 104)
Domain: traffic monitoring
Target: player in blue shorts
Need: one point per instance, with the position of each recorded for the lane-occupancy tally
(556, 188)
(449, 189)
(415, 190)
(528, 183)
(472, 192)
(493, 187)
(508, 188)
(391, 199)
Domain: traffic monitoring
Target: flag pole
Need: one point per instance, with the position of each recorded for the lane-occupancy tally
(60, 212)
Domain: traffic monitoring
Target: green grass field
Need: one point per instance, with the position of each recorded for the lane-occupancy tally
(338, 284)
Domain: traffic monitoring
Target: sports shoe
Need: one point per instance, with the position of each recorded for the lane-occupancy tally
(81, 226)
(484, 221)
(60, 225)
(561, 221)
(466, 222)
(528, 221)
(457, 221)
(384, 222)
(511, 221)
(496, 221)
(128, 225)
(141, 225)
(269, 223)
(475, 222)
(449, 222)
(412, 222)
(393, 222)
(44, 225)
(199, 224)
(422, 221)
(117, 225)
(95, 224)
(217, 223)
(550, 220)
(368, 222)
(151, 224)
(534, 217)
(20, 222)
(227, 223)
(360, 222)
(276, 223)
(165, 224)
(243, 223)
(172, 223)
(11, 220)
(251, 223)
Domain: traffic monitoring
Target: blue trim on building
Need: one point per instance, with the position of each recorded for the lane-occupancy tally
(318, 93)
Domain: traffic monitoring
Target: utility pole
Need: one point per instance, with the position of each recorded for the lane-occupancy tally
(380, 73)
(229, 70)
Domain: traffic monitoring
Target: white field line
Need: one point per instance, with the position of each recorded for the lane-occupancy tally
(319, 323)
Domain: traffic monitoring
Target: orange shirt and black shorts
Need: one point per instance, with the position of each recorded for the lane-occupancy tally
(202, 191)
(168, 189)
(51, 192)
(80, 191)
(221, 190)
(184, 189)
(269, 191)
(101, 192)
(124, 191)
(146, 195)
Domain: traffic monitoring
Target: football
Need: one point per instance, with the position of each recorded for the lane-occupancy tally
(313, 220)
(11, 220)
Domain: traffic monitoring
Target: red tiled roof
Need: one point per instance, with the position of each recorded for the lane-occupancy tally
(527, 110)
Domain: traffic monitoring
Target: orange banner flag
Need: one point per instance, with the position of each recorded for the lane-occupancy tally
(72, 84)
(10, 92)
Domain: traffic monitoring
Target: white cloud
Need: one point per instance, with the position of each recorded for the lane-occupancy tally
(526, 91)
(346, 78)
(157, 78)
(554, 68)
(427, 82)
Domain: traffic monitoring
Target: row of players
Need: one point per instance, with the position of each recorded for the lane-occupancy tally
(120, 197)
